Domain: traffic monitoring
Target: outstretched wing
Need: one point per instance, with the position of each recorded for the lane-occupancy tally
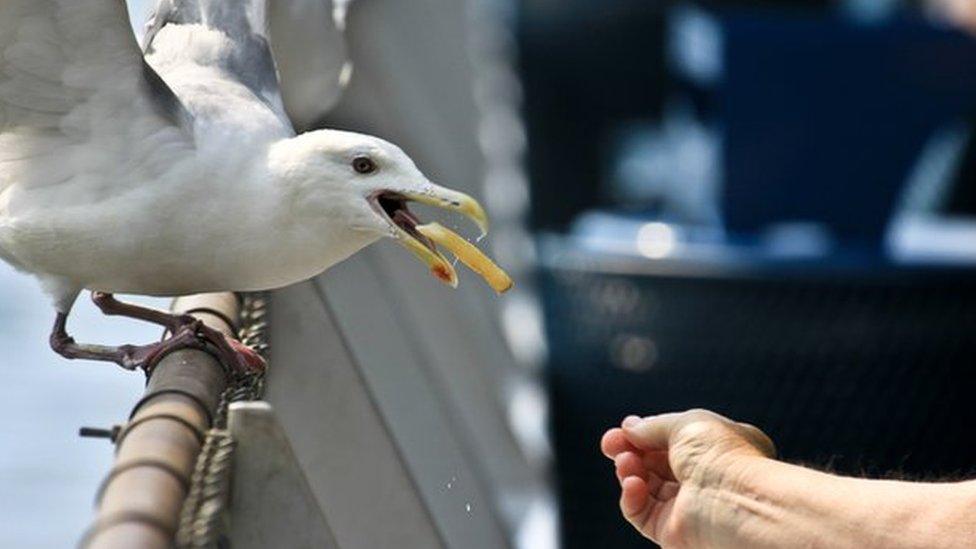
(309, 46)
(289, 53)
(77, 99)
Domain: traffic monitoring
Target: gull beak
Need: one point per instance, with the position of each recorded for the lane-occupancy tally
(393, 205)
(447, 199)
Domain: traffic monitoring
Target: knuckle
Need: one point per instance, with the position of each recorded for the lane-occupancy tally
(696, 428)
(758, 439)
(698, 412)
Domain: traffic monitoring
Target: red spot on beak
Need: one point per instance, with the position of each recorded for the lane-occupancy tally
(443, 274)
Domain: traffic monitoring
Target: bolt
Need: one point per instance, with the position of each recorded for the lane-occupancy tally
(97, 432)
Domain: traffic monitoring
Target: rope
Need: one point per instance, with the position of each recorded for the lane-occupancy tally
(203, 518)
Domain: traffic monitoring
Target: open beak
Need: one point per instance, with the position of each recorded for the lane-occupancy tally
(393, 205)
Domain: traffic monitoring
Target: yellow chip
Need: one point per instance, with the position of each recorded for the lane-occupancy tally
(469, 254)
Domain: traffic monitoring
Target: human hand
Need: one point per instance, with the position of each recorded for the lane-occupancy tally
(669, 466)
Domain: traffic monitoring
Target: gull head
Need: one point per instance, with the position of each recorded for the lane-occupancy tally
(363, 185)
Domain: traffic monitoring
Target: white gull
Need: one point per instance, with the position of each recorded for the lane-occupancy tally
(177, 169)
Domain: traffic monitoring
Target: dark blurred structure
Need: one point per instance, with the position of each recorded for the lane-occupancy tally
(763, 208)
(963, 198)
(827, 125)
(862, 369)
(586, 68)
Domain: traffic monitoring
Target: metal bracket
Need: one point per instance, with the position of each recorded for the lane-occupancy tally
(273, 505)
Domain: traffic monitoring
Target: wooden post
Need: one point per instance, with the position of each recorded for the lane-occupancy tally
(140, 499)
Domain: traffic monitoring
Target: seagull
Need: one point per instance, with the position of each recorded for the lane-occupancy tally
(190, 164)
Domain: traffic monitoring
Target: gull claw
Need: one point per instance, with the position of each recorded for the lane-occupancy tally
(237, 359)
(187, 331)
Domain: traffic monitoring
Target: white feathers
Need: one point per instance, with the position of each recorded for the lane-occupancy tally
(71, 73)
(151, 175)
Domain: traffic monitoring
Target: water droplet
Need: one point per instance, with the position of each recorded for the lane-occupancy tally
(450, 483)
(467, 507)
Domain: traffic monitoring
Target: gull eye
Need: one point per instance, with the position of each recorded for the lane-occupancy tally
(363, 165)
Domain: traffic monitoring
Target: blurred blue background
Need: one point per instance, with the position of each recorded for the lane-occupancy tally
(764, 208)
(49, 474)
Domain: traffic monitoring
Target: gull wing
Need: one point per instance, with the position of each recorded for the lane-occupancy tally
(289, 53)
(310, 49)
(77, 99)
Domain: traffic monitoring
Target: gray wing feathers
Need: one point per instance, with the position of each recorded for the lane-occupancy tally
(309, 46)
(249, 61)
(73, 82)
(299, 41)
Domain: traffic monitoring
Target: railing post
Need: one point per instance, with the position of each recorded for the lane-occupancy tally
(140, 499)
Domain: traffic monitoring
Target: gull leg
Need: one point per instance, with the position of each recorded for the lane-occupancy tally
(232, 353)
(187, 332)
(113, 307)
(129, 357)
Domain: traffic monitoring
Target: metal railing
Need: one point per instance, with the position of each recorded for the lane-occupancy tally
(170, 476)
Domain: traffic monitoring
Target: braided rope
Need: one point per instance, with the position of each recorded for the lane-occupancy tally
(203, 518)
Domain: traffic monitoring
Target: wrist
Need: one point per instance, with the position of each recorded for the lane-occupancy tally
(764, 503)
(740, 503)
(761, 502)
(725, 493)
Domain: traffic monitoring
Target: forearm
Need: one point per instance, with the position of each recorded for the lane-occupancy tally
(765, 503)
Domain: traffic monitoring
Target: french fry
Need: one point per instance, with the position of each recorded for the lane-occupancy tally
(469, 254)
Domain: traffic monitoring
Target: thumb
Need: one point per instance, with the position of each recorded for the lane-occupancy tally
(653, 432)
(661, 432)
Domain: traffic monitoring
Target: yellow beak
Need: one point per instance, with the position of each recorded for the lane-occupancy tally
(421, 240)
(448, 199)
(439, 266)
